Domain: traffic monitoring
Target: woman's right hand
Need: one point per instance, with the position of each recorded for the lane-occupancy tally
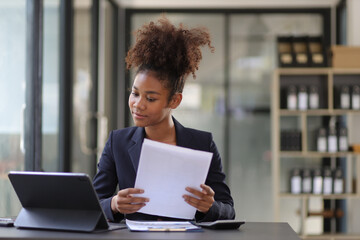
(124, 202)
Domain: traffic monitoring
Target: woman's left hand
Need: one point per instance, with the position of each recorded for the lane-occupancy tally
(205, 198)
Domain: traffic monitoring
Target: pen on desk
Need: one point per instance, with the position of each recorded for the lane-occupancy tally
(167, 229)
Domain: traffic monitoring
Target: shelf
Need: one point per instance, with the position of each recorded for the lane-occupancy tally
(317, 71)
(345, 70)
(318, 112)
(313, 154)
(331, 237)
(324, 196)
(303, 71)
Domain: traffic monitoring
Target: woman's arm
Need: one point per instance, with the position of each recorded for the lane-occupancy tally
(105, 181)
(222, 207)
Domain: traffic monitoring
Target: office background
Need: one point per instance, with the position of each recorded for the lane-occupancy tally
(65, 60)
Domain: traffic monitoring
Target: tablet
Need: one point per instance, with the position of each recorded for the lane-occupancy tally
(59, 201)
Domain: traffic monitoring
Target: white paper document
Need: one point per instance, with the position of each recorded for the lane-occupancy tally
(164, 172)
(161, 226)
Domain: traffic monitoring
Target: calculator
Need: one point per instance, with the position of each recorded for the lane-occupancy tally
(221, 224)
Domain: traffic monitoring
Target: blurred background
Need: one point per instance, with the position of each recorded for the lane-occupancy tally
(63, 84)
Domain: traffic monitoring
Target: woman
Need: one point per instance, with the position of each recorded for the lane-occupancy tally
(164, 56)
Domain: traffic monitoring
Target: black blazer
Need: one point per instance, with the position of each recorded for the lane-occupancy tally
(119, 162)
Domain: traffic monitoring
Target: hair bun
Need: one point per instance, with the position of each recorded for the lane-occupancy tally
(171, 52)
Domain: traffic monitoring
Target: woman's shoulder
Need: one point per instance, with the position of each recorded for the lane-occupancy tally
(191, 132)
(197, 132)
(181, 128)
(126, 133)
(196, 139)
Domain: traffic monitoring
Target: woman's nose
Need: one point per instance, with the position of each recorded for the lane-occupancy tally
(139, 103)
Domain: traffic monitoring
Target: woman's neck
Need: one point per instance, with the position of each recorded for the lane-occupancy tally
(164, 132)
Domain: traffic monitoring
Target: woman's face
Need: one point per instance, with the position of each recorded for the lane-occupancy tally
(149, 101)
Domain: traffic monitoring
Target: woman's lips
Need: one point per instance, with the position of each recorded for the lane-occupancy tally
(138, 116)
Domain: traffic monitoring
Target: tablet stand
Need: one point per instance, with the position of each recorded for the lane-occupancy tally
(61, 219)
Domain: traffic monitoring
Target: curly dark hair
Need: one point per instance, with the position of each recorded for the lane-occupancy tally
(171, 53)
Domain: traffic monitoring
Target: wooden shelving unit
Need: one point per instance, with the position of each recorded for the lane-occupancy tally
(330, 77)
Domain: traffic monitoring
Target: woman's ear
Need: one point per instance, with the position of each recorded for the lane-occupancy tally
(175, 100)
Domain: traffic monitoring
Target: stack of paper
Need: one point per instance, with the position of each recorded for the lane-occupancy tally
(161, 226)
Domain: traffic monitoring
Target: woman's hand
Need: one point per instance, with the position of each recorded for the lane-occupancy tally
(205, 198)
(124, 202)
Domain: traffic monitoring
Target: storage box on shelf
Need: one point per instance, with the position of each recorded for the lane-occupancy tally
(345, 56)
(307, 106)
(301, 51)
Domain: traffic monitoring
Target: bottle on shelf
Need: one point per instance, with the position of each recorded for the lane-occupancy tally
(306, 181)
(332, 140)
(295, 181)
(291, 98)
(302, 98)
(345, 97)
(332, 143)
(328, 181)
(355, 97)
(314, 97)
(317, 181)
(343, 139)
(321, 140)
(338, 181)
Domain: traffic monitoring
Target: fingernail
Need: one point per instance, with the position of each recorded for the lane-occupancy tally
(141, 191)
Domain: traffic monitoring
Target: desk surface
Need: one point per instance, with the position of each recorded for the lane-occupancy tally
(248, 231)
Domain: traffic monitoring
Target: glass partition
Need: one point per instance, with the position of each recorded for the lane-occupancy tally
(12, 98)
(50, 100)
(93, 96)
(80, 154)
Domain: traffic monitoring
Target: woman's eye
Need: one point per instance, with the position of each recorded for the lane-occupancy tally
(151, 99)
(134, 94)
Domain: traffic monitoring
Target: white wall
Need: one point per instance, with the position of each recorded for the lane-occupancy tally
(353, 39)
(353, 22)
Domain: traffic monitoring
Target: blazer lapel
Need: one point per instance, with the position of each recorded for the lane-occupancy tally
(135, 149)
(183, 139)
